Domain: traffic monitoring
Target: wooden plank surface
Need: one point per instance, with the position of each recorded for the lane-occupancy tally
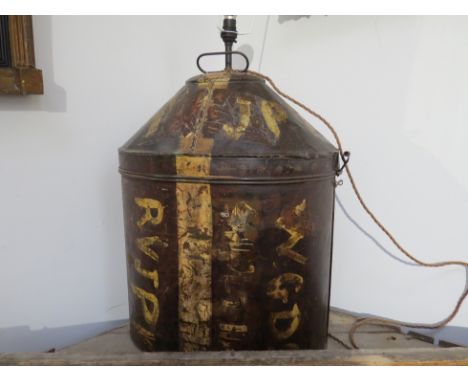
(369, 337)
(379, 346)
(427, 356)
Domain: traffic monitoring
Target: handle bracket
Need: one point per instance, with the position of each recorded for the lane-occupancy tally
(345, 159)
(247, 63)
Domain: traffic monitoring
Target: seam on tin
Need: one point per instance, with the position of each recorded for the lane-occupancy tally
(227, 180)
(135, 152)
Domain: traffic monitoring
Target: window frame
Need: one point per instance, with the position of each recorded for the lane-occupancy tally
(21, 77)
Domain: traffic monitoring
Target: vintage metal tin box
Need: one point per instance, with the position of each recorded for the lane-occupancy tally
(228, 197)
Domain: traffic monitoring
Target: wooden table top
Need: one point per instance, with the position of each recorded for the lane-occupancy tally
(378, 346)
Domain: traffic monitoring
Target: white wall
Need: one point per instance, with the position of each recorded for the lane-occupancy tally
(395, 87)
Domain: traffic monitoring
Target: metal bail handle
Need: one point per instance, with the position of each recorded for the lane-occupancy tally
(229, 36)
(247, 63)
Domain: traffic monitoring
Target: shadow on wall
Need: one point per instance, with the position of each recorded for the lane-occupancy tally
(238, 62)
(286, 18)
(452, 334)
(369, 236)
(22, 339)
(114, 254)
(55, 97)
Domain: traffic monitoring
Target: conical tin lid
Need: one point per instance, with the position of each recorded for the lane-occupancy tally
(239, 122)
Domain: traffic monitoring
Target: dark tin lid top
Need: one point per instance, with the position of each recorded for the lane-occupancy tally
(225, 115)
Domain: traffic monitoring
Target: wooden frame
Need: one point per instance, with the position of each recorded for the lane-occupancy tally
(21, 76)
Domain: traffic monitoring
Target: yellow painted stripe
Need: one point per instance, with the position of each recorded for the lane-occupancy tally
(195, 232)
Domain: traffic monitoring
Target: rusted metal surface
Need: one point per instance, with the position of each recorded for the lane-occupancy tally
(228, 205)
